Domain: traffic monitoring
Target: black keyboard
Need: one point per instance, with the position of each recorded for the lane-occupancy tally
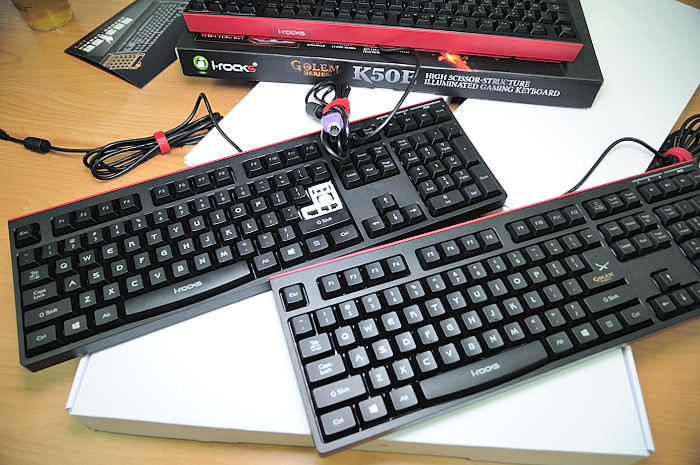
(385, 338)
(99, 271)
(530, 30)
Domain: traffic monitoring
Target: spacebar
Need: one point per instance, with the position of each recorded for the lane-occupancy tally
(486, 371)
(195, 288)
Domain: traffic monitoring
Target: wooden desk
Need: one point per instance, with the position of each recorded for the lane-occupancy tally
(47, 93)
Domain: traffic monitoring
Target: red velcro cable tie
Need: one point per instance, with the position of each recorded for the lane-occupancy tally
(339, 102)
(680, 153)
(162, 141)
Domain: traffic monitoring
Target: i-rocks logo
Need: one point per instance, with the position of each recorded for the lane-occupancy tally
(187, 287)
(485, 369)
(290, 33)
(203, 65)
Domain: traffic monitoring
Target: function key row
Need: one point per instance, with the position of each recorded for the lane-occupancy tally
(88, 216)
(361, 277)
(539, 225)
(191, 185)
(346, 281)
(456, 249)
(282, 159)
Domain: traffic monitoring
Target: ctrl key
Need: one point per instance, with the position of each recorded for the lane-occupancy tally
(42, 339)
(338, 421)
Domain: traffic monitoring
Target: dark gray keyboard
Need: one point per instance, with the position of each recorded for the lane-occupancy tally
(391, 336)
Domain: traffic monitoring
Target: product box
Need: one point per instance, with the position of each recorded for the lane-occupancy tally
(226, 376)
(554, 84)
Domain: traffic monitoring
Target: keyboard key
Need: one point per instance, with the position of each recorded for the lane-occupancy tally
(302, 325)
(294, 297)
(446, 202)
(338, 391)
(338, 421)
(27, 235)
(314, 346)
(326, 368)
(47, 313)
(607, 300)
(403, 398)
(372, 409)
(45, 337)
(559, 342)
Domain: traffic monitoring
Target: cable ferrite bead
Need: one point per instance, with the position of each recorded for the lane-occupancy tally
(36, 144)
(314, 110)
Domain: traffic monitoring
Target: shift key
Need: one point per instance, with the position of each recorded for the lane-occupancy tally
(324, 223)
(609, 300)
(339, 391)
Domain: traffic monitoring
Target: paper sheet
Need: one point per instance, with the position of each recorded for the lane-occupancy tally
(651, 71)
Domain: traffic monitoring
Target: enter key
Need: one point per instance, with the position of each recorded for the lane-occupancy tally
(605, 272)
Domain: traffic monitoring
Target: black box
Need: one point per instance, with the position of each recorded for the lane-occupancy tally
(554, 84)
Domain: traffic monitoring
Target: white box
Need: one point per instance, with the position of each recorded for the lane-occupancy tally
(226, 376)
